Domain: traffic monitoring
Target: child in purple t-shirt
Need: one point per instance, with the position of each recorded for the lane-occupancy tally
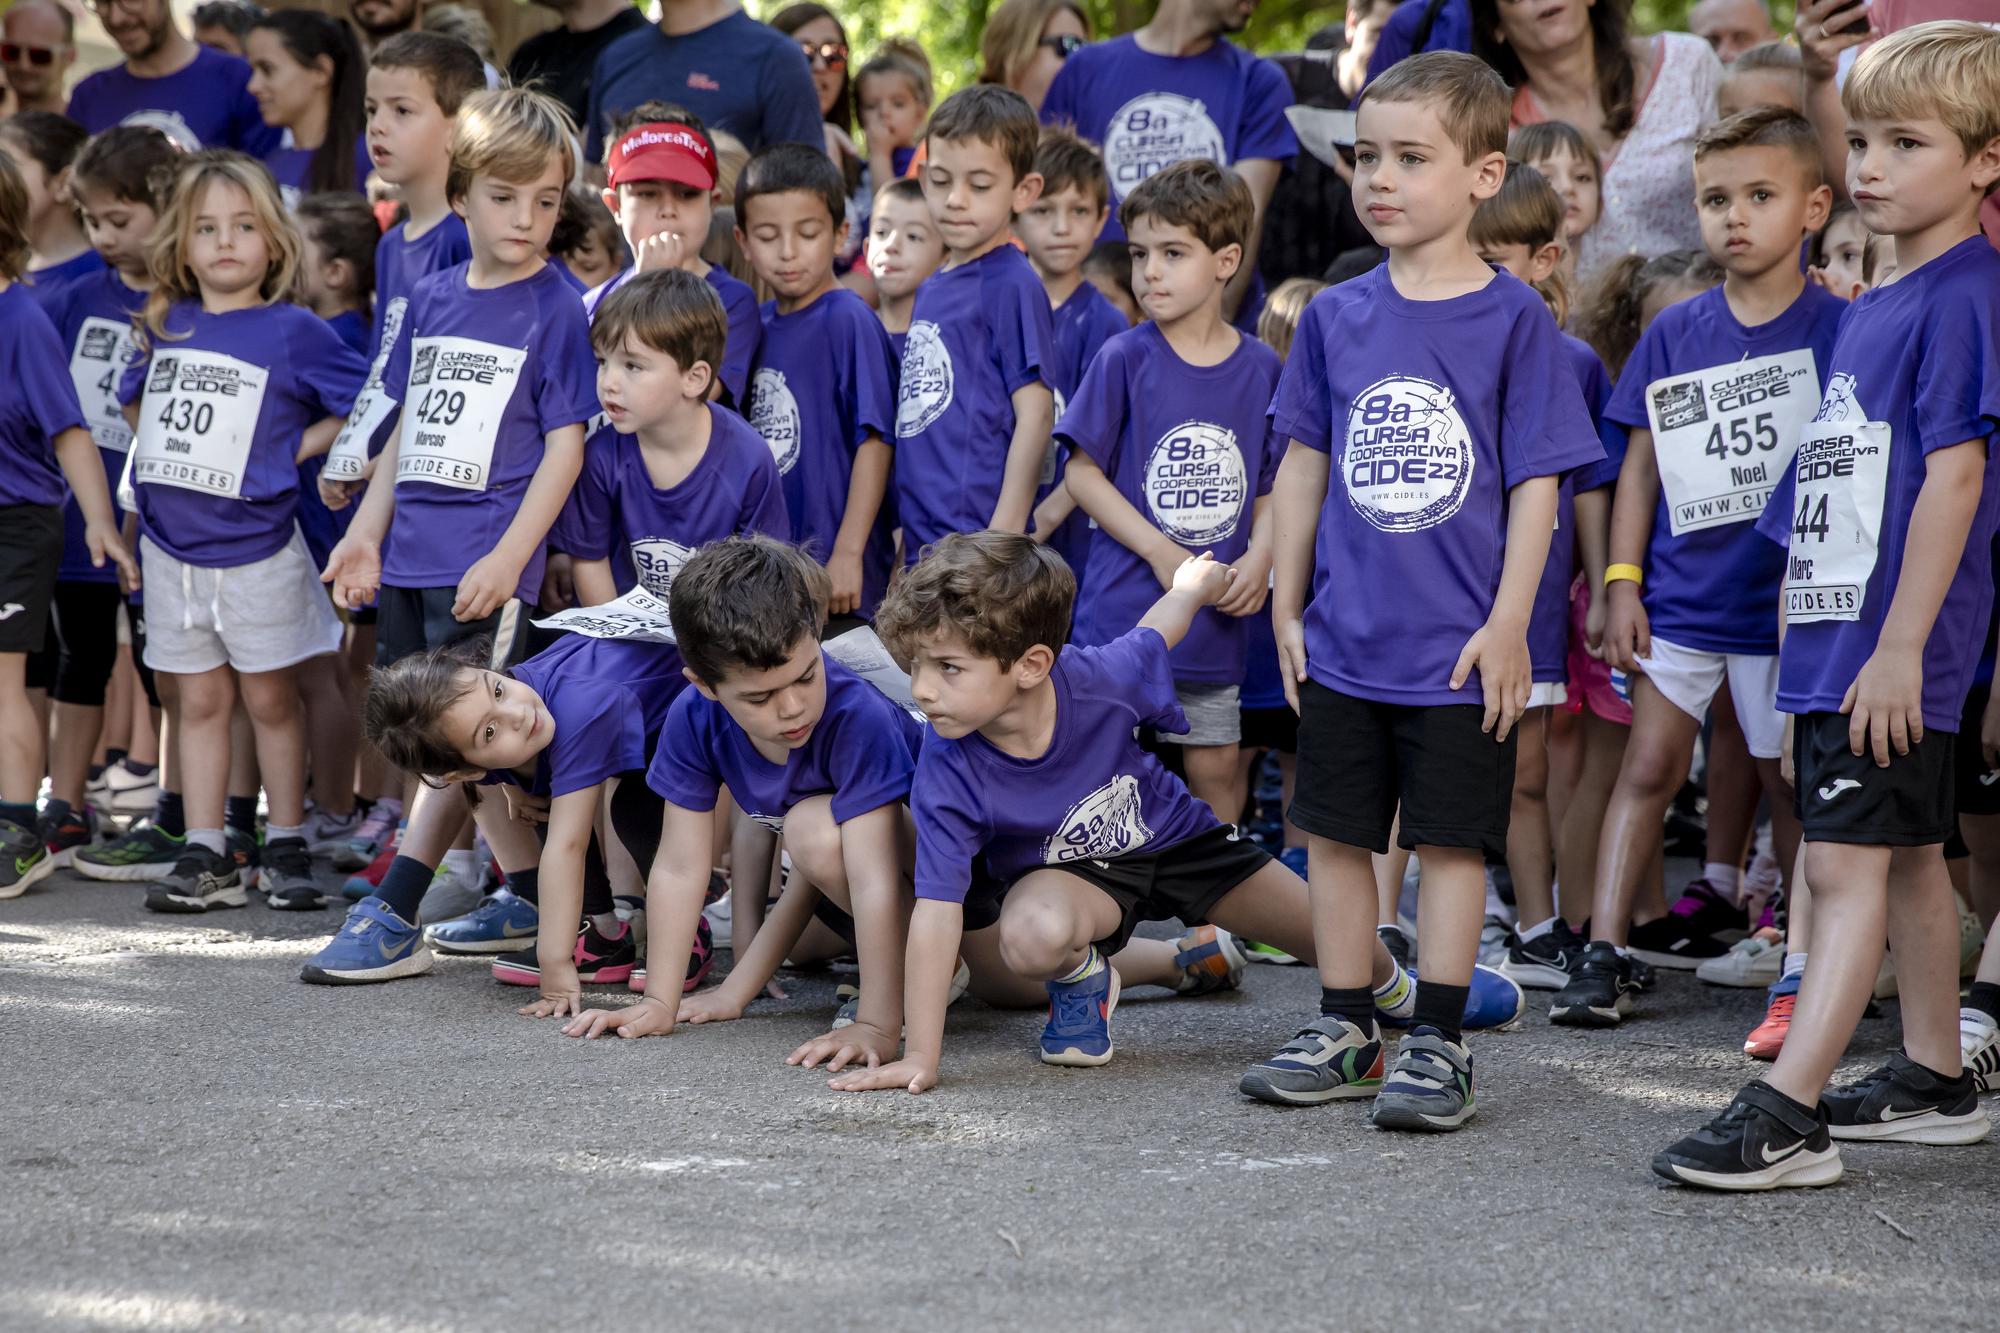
(1430, 410)
(671, 470)
(494, 372)
(823, 392)
(904, 248)
(1887, 513)
(1171, 455)
(230, 386)
(974, 412)
(557, 734)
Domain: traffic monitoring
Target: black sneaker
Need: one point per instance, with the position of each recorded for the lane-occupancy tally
(1546, 962)
(1903, 1102)
(1762, 1141)
(1599, 993)
(1687, 936)
(201, 881)
(1644, 978)
(287, 877)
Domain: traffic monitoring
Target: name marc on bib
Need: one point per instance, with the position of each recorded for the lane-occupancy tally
(1841, 474)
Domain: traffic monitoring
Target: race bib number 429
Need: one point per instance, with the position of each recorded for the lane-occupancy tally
(459, 388)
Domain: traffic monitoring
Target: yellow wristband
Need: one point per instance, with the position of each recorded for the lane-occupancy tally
(1624, 574)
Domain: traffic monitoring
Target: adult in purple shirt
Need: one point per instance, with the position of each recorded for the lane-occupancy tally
(718, 62)
(199, 98)
(1174, 89)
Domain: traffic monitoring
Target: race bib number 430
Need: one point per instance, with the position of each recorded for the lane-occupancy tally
(1842, 473)
(1723, 436)
(197, 421)
(459, 388)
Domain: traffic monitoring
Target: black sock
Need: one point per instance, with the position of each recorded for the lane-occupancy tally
(597, 899)
(526, 885)
(1355, 1005)
(1442, 1007)
(240, 813)
(1985, 997)
(137, 769)
(168, 816)
(21, 814)
(57, 810)
(403, 886)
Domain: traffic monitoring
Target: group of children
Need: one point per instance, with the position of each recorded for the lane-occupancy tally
(620, 563)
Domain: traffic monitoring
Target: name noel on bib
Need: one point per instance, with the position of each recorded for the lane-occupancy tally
(1724, 436)
(1841, 474)
(197, 421)
(459, 388)
(103, 349)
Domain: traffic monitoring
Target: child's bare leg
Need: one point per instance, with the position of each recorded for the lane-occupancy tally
(278, 719)
(993, 981)
(1578, 845)
(1655, 765)
(332, 732)
(1923, 936)
(1530, 844)
(1982, 838)
(1451, 904)
(753, 857)
(1212, 777)
(201, 731)
(1389, 868)
(1849, 929)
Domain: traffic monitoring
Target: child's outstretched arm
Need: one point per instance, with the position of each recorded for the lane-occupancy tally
(1034, 419)
(871, 854)
(494, 576)
(570, 818)
(936, 930)
(77, 454)
(1885, 704)
(756, 965)
(1121, 520)
(1197, 583)
(1499, 648)
(675, 887)
(1296, 500)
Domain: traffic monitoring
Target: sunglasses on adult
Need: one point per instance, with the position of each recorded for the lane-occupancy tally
(833, 55)
(1065, 46)
(106, 6)
(19, 53)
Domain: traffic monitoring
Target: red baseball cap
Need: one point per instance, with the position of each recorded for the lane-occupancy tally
(662, 153)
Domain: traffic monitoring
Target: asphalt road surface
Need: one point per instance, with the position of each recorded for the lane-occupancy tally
(193, 1139)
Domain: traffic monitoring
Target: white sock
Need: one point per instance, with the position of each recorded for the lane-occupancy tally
(1092, 964)
(1539, 929)
(1726, 880)
(1795, 965)
(606, 924)
(273, 832)
(210, 838)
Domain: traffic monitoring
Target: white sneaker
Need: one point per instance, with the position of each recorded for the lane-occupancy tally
(1493, 935)
(1979, 1049)
(721, 917)
(326, 833)
(1752, 962)
(449, 897)
(126, 793)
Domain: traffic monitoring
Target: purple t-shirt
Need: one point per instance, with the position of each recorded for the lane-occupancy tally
(617, 513)
(1190, 448)
(824, 382)
(401, 263)
(40, 402)
(863, 753)
(1725, 404)
(608, 698)
(1079, 326)
(93, 320)
(484, 377)
(225, 400)
(1150, 111)
(1095, 795)
(291, 167)
(1433, 411)
(739, 304)
(46, 284)
(207, 104)
(979, 332)
(1916, 367)
(1548, 623)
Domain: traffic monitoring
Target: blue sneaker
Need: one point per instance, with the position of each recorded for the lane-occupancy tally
(1494, 1001)
(1078, 1032)
(374, 945)
(1429, 1087)
(498, 924)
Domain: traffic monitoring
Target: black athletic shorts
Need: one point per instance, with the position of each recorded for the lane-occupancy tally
(1271, 729)
(1977, 787)
(86, 626)
(1360, 759)
(1183, 881)
(1844, 797)
(415, 620)
(31, 544)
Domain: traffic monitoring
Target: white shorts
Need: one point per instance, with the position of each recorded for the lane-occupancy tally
(1548, 694)
(263, 616)
(1688, 679)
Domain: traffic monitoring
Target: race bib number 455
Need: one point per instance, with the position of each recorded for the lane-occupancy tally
(1842, 473)
(197, 421)
(459, 388)
(1723, 436)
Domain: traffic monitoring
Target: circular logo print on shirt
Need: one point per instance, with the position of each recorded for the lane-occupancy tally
(926, 388)
(1102, 825)
(656, 560)
(1409, 458)
(1156, 130)
(1195, 483)
(774, 414)
(169, 123)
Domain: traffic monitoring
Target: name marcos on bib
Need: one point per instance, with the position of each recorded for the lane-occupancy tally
(1152, 132)
(197, 420)
(459, 387)
(1841, 475)
(1408, 459)
(1723, 436)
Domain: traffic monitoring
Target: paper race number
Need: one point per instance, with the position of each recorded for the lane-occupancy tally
(459, 387)
(1724, 436)
(197, 421)
(636, 615)
(1841, 474)
(102, 352)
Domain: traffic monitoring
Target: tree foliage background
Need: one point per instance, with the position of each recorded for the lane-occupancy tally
(949, 29)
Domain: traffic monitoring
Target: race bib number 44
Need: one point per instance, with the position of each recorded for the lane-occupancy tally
(459, 388)
(197, 421)
(1723, 436)
(1841, 473)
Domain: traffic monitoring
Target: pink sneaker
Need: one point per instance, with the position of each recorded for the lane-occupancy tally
(601, 960)
(700, 959)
